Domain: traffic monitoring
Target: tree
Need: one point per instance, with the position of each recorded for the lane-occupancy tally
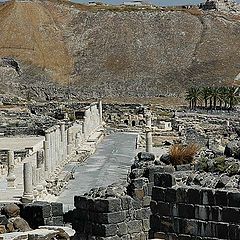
(193, 96)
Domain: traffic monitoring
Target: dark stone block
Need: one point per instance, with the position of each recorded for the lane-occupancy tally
(234, 232)
(108, 205)
(234, 199)
(57, 221)
(221, 198)
(216, 214)
(81, 202)
(164, 180)
(158, 194)
(181, 195)
(170, 195)
(104, 230)
(115, 217)
(186, 210)
(153, 207)
(81, 214)
(231, 215)
(191, 227)
(193, 195)
(164, 209)
(166, 225)
(154, 223)
(207, 197)
(222, 230)
(151, 171)
(210, 229)
(202, 228)
(57, 209)
(202, 212)
(36, 213)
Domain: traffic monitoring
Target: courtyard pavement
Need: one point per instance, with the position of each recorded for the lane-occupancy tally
(110, 163)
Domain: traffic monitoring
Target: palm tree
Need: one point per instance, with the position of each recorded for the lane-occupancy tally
(205, 93)
(193, 96)
(223, 98)
(232, 97)
(215, 94)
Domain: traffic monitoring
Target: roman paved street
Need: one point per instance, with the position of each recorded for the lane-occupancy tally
(110, 163)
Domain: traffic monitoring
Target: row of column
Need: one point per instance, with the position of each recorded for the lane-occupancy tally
(58, 145)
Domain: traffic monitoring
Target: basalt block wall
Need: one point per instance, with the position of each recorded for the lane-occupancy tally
(120, 217)
(193, 213)
(156, 207)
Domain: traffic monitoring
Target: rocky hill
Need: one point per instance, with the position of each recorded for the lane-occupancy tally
(114, 52)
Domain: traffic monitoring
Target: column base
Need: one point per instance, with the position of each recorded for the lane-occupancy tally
(27, 198)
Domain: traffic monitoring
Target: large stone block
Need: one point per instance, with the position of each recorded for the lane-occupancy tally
(122, 228)
(202, 212)
(143, 213)
(170, 195)
(108, 205)
(158, 194)
(222, 230)
(193, 195)
(207, 197)
(57, 220)
(134, 226)
(57, 209)
(104, 230)
(81, 214)
(221, 198)
(181, 195)
(191, 227)
(115, 217)
(215, 214)
(164, 209)
(230, 215)
(81, 202)
(186, 210)
(234, 199)
(127, 202)
(164, 180)
(234, 232)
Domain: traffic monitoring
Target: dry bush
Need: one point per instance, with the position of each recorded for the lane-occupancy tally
(183, 154)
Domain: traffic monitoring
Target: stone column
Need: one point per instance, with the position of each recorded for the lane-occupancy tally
(148, 119)
(69, 147)
(47, 154)
(148, 140)
(10, 175)
(62, 141)
(27, 183)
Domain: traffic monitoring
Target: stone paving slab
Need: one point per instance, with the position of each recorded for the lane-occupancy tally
(110, 163)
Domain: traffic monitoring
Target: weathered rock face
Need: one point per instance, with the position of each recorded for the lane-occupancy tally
(103, 53)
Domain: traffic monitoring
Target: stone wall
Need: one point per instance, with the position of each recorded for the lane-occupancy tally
(155, 203)
(190, 212)
(43, 213)
(120, 211)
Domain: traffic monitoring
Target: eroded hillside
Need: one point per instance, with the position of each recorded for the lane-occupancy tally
(64, 48)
